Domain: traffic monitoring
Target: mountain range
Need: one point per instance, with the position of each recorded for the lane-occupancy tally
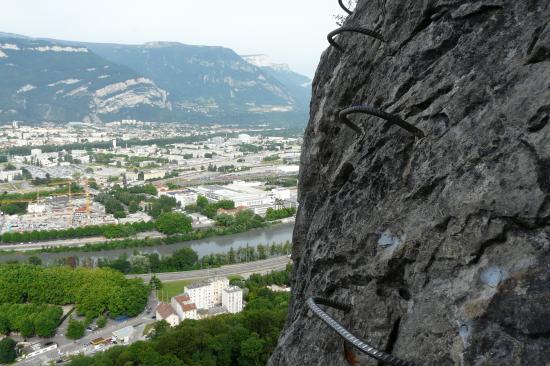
(52, 80)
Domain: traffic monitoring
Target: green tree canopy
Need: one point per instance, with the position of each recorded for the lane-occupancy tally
(4, 324)
(92, 290)
(202, 202)
(173, 223)
(7, 351)
(27, 328)
(76, 329)
(101, 321)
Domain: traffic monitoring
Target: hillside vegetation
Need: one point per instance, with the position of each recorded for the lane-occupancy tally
(244, 339)
(93, 291)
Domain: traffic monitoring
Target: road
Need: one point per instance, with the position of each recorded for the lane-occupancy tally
(263, 266)
(67, 347)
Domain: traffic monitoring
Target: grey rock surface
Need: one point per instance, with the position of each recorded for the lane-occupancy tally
(442, 244)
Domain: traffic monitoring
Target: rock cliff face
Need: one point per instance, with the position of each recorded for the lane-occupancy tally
(441, 245)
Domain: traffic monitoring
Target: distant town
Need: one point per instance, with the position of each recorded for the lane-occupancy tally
(55, 176)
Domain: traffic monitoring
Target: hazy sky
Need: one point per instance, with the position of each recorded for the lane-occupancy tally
(290, 31)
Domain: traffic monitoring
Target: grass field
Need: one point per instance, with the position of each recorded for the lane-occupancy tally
(170, 289)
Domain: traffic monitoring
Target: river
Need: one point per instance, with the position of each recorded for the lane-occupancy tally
(221, 244)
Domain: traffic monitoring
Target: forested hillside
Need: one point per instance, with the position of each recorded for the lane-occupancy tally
(94, 292)
(244, 339)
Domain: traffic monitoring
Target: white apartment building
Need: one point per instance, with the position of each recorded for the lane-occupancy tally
(184, 307)
(232, 299)
(202, 300)
(207, 294)
(217, 285)
(201, 293)
(9, 175)
(184, 197)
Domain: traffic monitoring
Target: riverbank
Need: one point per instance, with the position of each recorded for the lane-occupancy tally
(141, 240)
(73, 243)
(278, 233)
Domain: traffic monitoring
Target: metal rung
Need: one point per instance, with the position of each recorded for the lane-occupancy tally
(365, 31)
(350, 338)
(365, 109)
(341, 2)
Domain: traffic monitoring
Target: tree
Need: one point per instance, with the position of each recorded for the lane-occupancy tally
(210, 211)
(161, 328)
(119, 214)
(133, 207)
(10, 167)
(7, 351)
(35, 260)
(27, 328)
(155, 283)
(45, 325)
(272, 214)
(75, 329)
(172, 223)
(231, 255)
(163, 204)
(225, 220)
(184, 259)
(93, 184)
(4, 325)
(202, 202)
(262, 253)
(101, 321)
(252, 351)
(112, 206)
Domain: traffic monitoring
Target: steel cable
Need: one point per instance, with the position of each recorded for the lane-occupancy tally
(313, 302)
(350, 338)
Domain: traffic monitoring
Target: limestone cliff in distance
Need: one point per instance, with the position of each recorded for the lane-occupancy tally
(441, 244)
(61, 81)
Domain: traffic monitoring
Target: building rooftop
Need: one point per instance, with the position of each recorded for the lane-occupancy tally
(197, 285)
(216, 310)
(233, 289)
(189, 307)
(165, 310)
(124, 332)
(185, 302)
(182, 299)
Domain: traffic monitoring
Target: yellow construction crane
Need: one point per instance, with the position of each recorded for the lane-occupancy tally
(87, 193)
(67, 183)
(60, 183)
